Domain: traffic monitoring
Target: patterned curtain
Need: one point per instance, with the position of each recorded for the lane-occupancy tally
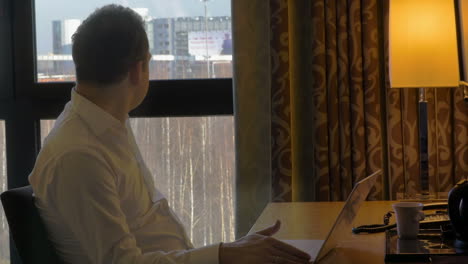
(346, 93)
(360, 124)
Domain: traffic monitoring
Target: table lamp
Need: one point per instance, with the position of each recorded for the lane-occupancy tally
(423, 53)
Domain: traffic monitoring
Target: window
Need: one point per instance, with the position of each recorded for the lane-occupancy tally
(38, 87)
(4, 236)
(208, 43)
(192, 162)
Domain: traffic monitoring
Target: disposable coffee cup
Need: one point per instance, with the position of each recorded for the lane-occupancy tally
(408, 215)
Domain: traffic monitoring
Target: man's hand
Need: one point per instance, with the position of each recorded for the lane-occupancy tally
(261, 248)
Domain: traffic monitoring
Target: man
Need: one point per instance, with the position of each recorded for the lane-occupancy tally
(92, 188)
(227, 45)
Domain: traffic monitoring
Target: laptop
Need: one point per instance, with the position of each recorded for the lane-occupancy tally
(343, 224)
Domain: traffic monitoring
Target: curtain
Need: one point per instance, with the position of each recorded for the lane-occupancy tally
(314, 112)
(346, 118)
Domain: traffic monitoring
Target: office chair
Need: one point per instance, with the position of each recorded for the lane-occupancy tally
(26, 227)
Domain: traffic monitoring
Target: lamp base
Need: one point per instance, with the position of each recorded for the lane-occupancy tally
(426, 196)
(465, 93)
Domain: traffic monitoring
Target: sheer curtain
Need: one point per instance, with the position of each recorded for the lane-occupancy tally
(252, 107)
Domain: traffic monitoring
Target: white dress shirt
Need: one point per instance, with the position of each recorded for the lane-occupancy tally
(97, 197)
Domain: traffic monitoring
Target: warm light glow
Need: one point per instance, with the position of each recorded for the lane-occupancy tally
(423, 44)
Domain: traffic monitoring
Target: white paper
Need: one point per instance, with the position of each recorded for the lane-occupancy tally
(311, 247)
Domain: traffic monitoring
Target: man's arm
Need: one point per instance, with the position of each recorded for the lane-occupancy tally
(86, 198)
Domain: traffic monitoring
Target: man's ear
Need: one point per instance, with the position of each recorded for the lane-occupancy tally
(135, 72)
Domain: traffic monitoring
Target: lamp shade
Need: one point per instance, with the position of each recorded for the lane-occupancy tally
(423, 50)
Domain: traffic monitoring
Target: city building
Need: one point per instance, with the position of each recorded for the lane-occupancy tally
(182, 48)
(171, 35)
(62, 32)
(183, 36)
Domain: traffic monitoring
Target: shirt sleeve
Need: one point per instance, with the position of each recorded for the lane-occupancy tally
(86, 199)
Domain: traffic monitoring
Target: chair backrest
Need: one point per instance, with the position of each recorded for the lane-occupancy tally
(26, 227)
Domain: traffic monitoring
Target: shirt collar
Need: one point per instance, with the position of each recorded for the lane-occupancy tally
(97, 119)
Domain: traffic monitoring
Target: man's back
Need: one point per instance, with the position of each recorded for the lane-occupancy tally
(91, 160)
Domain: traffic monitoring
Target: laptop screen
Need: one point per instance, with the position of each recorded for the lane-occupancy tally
(343, 224)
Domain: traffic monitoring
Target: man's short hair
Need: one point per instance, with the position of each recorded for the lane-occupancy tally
(107, 43)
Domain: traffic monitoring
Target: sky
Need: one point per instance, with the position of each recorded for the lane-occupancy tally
(49, 10)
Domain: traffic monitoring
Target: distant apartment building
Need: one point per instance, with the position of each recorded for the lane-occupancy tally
(62, 32)
(171, 35)
(166, 35)
(178, 37)
(186, 43)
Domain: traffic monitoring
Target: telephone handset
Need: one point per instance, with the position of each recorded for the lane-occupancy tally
(436, 216)
(435, 206)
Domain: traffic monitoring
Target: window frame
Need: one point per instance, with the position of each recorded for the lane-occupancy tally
(24, 101)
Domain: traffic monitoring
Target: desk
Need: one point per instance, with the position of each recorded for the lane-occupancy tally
(314, 221)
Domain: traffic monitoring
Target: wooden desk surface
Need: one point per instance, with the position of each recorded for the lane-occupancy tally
(314, 221)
